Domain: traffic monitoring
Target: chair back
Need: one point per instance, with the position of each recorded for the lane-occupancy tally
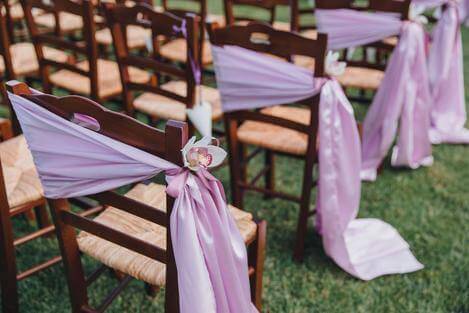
(383, 49)
(235, 10)
(265, 39)
(161, 24)
(86, 49)
(167, 145)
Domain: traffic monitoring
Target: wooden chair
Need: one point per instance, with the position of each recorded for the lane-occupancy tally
(133, 229)
(283, 129)
(166, 99)
(20, 194)
(234, 12)
(366, 72)
(18, 59)
(91, 76)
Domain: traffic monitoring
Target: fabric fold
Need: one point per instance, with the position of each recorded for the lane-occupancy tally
(401, 105)
(365, 248)
(210, 253)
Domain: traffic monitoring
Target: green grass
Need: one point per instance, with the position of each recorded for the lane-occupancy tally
(428, 206)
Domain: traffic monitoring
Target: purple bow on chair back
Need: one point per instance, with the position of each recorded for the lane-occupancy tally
(210, 253)
(403, 98)
(365, 248)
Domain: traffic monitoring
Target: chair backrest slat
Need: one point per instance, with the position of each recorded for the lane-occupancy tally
(268, 6)
(273, 42)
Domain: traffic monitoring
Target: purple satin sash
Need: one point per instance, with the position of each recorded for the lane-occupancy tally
(365, 248)
(445, 63)
(210, 253)
(403, 98)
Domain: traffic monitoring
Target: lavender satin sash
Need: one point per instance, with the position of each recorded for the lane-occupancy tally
(365, 248)
(403, 97)
(445, 63)
(209, 250)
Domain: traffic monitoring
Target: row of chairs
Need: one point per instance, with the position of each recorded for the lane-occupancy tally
(143, 80)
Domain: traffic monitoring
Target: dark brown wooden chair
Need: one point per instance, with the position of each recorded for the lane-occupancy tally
(20, 194)
(283, 129)
(18, 59)
(265, 8)
(132, 234)
(168, 98)
(91, 76)
(366, 72)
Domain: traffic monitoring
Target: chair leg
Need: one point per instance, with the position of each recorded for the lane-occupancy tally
(270, 174)
(42, 216)
(304, 210)
(8, 282)
(256, 260)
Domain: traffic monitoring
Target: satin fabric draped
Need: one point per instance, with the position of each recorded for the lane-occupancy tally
(402, 102)
(445, 64)
(365, 248)
(210, 254)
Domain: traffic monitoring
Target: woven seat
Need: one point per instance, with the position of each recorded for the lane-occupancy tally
(162, 107)
(108, 77)
(132, 263)
(24, 58)
(361, 77)
(21, 179)
(68, 22)
(304, 61)
(176, 50)
(136, 36)
(391, 41)
(310, 33)
(277, 138)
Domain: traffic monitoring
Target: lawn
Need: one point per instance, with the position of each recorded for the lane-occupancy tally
(428, 206)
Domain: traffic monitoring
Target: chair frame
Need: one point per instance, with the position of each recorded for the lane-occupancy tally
(118, 17)
(9, 277)
(89, 49)
(238, 158)
(168, 145)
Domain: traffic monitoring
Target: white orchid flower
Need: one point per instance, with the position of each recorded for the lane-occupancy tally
(416, 13)
(333, 66)
(202, 154)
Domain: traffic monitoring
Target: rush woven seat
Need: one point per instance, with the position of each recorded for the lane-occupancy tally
(68, 22)
(136, 36)
(304, 61)
(310, 33)
(277, 138)
(391, 41)
(162, 107)
(24, 58)
(132, 263)
(21, 179)
(361, 77)
(108, 76)
(176, 50)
